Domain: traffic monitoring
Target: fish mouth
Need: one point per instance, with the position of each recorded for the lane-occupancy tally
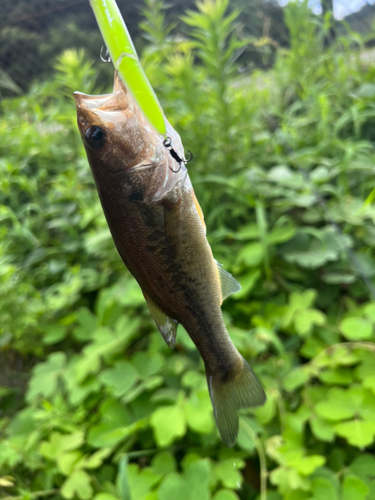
(105, 110)
(106, 102)
(115, 101)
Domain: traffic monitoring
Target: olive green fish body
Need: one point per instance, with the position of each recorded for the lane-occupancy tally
(158, 229)
(174, 266)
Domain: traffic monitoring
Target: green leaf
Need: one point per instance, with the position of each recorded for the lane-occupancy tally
(357, 432)
(341, 404)
(168, 423)
(356, 328)
(305, 319)
(120, 378)
(54, 334)
(322, 430)
(148, 364)
(96, 459)
(193, 484)
(338, 278)
(323, 489)
(281, 234)
(366, 371)
(266, 412)
(92, 353)
(148, 384)
(59, 443)
(78, 483)
(250, 255)
(198, 412)
(114, 427)
(164, 463)
(172, 487)
(225, 495)
(45, 376)
(122, 480)
(339, 375)
(105, 435)
(299, 313)
(244, 439)
(247, 282)
(295, 378)
(227, 473)
(363, 466)
(288, 479)
(354, 489)
(369, 311)
(193, 380)
(141, 481)
(77, 392)
(87, 323)
(66, 461)
(105, 496)
(307, 465)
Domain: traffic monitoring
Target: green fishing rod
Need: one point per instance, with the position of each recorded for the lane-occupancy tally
(125, 60)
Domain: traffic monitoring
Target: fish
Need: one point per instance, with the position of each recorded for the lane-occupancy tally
(159, 231)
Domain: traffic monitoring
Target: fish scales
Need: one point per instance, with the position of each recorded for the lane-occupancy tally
(158, 229)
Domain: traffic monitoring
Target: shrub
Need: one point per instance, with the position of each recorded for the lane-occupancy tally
(283, 161)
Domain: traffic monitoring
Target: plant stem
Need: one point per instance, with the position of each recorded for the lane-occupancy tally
(34, 494)
(262, 459)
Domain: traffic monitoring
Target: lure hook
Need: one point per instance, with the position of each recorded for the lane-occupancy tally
(105, 57)
(190, 157)
(168, 145)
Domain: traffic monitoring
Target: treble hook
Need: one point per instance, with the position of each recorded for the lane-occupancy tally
(168, 144)
(105, 58)
(190, 157)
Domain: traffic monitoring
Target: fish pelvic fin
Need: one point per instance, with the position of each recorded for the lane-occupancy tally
(166, 325)
(228, 284)
(242, 390)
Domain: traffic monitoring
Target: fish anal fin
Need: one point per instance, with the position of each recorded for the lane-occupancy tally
(166, 325)
(228, 284)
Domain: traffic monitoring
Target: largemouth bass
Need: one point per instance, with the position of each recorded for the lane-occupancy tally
(158, 228)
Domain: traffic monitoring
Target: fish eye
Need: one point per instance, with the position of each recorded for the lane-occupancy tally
(95, 137)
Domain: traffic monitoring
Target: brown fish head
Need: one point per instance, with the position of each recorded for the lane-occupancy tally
(114, 132)
(119, 140)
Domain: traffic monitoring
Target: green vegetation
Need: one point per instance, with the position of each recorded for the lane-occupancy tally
(93, 403)
(34, 32)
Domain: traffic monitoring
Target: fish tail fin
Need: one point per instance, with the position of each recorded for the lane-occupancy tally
(241, 389)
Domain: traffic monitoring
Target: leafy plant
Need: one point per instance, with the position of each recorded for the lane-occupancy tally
(93, 403)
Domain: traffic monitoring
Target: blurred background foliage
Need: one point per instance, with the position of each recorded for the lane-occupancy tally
(93, 404)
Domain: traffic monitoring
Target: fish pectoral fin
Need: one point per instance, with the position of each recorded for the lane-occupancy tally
(166, 325)
(228, 284)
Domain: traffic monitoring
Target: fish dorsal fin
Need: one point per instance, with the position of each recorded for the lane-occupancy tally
(228, 284)
(167, 326)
